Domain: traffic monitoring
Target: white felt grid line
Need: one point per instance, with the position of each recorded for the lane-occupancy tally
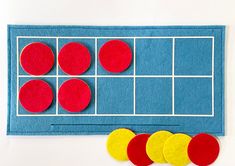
(17, 78)
(147, 115)
(118, 37)
(119, 76)
(134, 73)
(96, 71)
(128, 76)
(173, 75)
(212, 73)
(57, 73)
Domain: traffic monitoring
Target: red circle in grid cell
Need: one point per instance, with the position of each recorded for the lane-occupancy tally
(74, 58)
(36, 96)
(37, 58)
(74, 95)
(115, 56)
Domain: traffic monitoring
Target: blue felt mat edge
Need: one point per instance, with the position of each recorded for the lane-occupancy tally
(221, 27)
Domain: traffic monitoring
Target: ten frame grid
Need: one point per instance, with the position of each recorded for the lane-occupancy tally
(112, 76)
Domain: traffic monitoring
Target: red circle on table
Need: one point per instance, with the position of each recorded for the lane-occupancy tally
(203, 149)
(37, 58)
(74, 58)
(74, 95)
(115, 56)
(36, 96)
(136, 150)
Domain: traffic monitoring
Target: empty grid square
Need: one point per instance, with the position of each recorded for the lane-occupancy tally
(89, 43)
(101, 70)
(153, 95)
(51, 82)
(90, 109)
(193, 56)
(23, 42)
(153, 56)
(115, 96)
(193, 96)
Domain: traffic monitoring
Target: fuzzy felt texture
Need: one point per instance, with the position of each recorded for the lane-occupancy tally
(203, 149)
(155, 144)
(175, 149)
(115, 56)
(37, 58)
(136, 150)
(74, 95)
(187, 101)
(36, 96)
(74, 58)
(117, 143)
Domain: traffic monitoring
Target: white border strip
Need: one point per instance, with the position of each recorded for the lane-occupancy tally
(117, 37)
(147, 115)
(134, 80)
(96, 71)
(173, 76)
(121, 76)
(57, 73)
(212, 84)
(17, 79)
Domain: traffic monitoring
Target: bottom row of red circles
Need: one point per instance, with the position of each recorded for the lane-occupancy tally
(162, 147)
(36, 96)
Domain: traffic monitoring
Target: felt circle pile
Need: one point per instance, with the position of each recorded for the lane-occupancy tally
(162, 147)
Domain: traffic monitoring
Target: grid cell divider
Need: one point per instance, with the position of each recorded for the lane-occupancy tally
(96, 68)
(173, 76)
(118, 76)
(57, 74)
(134, 76)
(212, 73)
(17, 78)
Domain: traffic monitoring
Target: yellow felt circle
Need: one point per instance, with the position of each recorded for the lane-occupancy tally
(175, 149)
(155, 144)
(117, 143)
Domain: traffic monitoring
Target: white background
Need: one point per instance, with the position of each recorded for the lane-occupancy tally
(91, 150)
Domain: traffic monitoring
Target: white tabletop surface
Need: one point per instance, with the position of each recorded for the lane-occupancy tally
(91, 150)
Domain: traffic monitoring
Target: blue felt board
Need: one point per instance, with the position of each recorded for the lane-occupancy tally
(175, 81)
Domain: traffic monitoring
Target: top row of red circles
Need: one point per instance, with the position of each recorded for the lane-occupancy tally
(74, 58)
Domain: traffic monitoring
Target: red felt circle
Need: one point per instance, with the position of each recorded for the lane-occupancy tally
(74, 95)
(74, 58)
(37, 58)
(203, 149)
(36, 96)
(136, 150)
(115, 56)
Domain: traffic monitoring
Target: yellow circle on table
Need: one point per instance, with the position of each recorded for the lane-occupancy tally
(176, 150)
(117, 143)
(155, 144)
